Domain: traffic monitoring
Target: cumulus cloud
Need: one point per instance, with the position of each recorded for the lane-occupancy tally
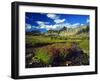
(67, 25)
(53, 27)
(81, 24)
(28, 26)
(75, 25)
(59, 26)
(48, 27)
(56, 18)
(52, 16)
(41, 22)
(59, 23)
(59, 20)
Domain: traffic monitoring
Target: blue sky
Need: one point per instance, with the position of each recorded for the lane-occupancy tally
(47, 21)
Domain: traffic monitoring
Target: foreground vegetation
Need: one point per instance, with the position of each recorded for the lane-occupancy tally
(51, 51)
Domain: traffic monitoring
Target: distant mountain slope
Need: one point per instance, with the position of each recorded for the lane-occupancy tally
(65, 31)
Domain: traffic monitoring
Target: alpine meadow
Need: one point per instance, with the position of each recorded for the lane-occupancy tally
(56, 40)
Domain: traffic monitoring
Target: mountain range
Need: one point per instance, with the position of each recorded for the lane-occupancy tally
(63, 31)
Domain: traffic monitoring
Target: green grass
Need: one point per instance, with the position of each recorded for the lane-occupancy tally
(43, 56)
(83, 42)
(85, 46)
(43, 40)
(56, 45)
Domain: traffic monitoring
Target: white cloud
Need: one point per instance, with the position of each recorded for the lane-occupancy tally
(67, 25)
(28, 26)
(53, 27)
(41, 22)
(82, 24)
(59, 26)
(59, 20)
(75, 25)
(55, 18)
(48, 27)
(52, 16)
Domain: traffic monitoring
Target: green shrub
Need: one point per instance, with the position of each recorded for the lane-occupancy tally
(85, 46)
(43, 56)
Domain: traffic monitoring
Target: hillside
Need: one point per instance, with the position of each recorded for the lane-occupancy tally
(65, 31)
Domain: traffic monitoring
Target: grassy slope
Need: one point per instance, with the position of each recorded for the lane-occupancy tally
(83, 43)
